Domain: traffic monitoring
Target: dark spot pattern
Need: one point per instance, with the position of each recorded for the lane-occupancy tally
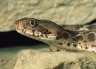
(66, 36)
(46, 36)
(68, 44)
(74, 45)
(45, 31)
(91, 37)
(41, 35)
(79, 43)
(79, 37)
(93, 45)
(85, 41)
(58, 50)
(60, 43)
(62, 35)
(33, 32)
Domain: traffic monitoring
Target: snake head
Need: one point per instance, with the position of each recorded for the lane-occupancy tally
(42, 30)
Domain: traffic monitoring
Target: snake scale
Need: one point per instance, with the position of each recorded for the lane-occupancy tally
(72, 38)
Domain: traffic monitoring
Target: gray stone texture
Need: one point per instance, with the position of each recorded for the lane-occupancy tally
(30, 59)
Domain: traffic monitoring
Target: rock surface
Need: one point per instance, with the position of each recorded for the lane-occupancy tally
(59, 11)
(7, 61)
(30, 59)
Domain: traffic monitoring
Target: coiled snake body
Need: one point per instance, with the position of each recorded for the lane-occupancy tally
(73, 38)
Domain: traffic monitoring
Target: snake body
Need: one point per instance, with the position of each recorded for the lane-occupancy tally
(72, 38)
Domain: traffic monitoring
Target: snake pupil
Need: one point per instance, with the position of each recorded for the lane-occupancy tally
(33, 22)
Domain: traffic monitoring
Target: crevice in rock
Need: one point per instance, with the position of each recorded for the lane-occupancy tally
(12, 38)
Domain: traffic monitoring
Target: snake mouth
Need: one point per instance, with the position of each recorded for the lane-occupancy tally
(39, 35)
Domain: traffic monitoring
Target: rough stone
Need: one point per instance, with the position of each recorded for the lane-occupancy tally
(7, 61)
(59, 11)
(30, 59)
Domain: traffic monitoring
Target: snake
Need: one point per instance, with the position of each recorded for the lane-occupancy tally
(59, 37)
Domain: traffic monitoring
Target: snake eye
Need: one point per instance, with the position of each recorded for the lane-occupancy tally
(33, 22)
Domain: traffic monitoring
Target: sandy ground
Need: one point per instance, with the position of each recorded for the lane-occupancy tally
(8, 55)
